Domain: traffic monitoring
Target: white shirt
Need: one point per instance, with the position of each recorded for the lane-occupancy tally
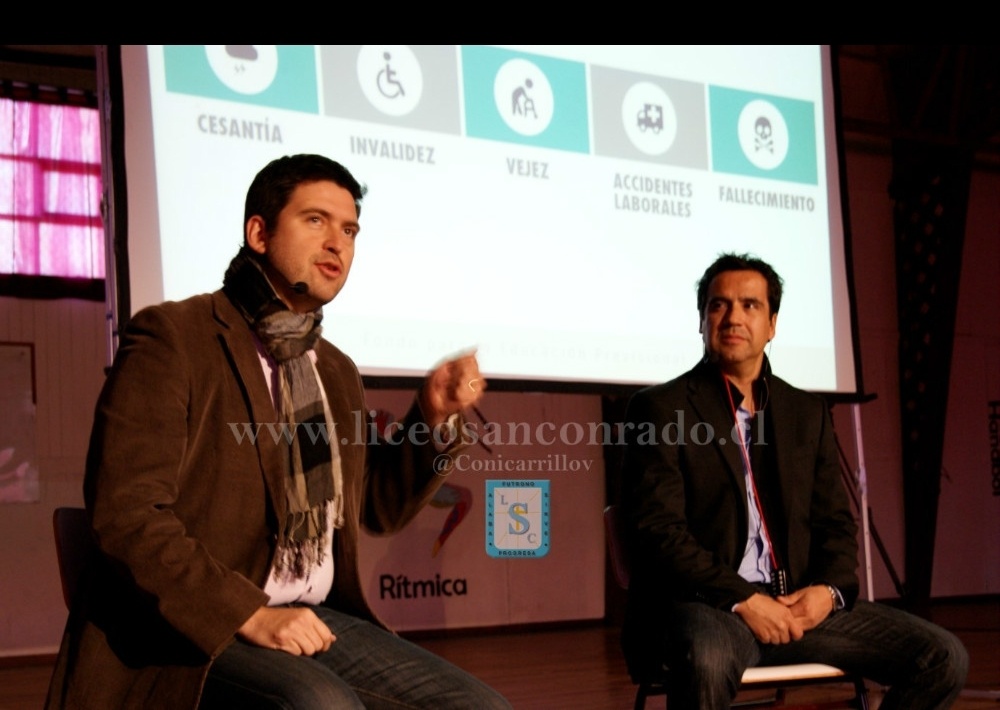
(314, 587)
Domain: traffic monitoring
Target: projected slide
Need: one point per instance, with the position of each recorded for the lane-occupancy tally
(551, 206)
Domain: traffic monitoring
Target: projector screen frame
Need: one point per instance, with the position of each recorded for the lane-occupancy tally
(114, 125)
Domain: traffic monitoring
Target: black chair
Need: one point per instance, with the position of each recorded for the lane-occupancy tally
(777, 678)
(74, 545)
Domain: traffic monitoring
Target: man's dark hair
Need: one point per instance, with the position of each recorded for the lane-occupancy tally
(273, 186)
(741, 262)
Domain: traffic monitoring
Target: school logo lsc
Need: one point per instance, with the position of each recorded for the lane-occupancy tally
(517, 518)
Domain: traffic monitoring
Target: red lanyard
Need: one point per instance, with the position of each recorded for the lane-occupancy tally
(745, 450)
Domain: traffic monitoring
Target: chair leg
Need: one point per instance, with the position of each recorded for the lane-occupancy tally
(646, 690)
(861, 693)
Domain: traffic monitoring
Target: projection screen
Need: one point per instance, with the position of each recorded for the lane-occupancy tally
(551, 206)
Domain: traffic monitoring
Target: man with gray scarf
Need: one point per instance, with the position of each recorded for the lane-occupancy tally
(228, 572)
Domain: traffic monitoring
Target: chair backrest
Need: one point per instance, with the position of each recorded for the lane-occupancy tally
(614, 530)
(74, 545)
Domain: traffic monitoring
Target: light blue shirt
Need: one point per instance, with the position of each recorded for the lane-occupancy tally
(756, 564)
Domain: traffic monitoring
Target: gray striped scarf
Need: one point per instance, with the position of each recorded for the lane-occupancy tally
(314, 484)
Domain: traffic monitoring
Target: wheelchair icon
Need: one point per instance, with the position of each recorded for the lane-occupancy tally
(388, 85)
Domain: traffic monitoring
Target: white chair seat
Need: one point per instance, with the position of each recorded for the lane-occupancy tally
(797, 671)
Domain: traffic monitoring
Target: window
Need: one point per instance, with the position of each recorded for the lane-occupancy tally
(50, 191)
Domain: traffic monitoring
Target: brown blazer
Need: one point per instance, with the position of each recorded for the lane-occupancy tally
(184, 505)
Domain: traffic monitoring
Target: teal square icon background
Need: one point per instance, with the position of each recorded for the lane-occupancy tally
(569, 128)
(294, 86)
(517, 518)
(800, 163)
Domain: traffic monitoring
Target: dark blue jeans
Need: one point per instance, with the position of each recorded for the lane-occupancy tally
(366, 667)
(923, 664)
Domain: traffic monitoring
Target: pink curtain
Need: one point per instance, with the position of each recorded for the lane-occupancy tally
(50, 190)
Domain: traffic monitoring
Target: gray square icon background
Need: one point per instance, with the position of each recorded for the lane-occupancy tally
(608, 89)
(438, 109)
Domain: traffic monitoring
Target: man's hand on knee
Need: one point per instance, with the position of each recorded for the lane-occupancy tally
(810, 605)
(294, 630)
(769, 620)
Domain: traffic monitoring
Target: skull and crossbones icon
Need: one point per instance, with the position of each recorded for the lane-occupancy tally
(763, 135)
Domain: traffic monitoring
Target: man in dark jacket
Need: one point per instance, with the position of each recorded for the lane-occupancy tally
(744, 546)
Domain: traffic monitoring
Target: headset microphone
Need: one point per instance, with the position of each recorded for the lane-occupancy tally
(300, 287)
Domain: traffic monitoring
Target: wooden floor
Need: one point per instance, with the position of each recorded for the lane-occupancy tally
(581, 667)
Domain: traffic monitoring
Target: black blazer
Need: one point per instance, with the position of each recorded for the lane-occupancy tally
(684, 499)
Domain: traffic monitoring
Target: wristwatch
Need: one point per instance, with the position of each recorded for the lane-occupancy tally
(838, 600)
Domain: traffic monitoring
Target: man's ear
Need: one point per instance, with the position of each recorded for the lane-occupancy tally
(256, 234)
(774, 324)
